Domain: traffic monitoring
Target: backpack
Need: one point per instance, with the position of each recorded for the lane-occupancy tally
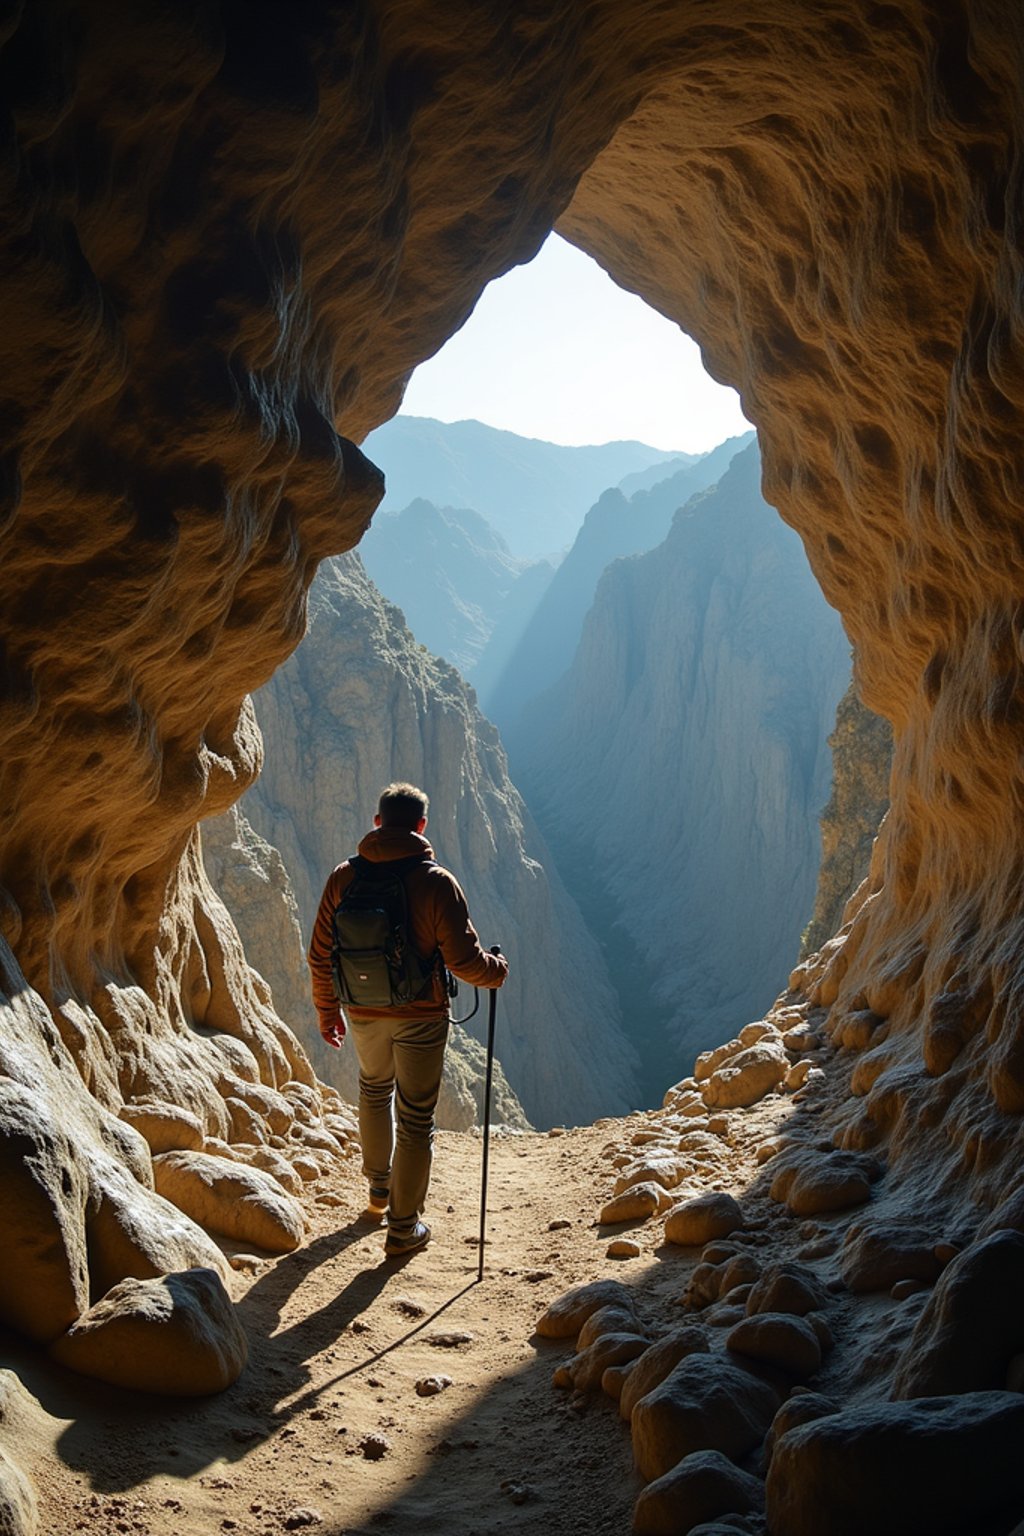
(373, 962)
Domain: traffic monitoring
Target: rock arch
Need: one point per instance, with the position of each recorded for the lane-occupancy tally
(229, 234)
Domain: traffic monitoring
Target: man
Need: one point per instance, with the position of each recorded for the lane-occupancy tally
(401, 1049)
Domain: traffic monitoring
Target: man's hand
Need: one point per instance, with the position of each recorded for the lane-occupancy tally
(333, 1032)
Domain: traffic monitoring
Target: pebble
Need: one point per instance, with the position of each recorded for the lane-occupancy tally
(298, 1518)
(373, 1447)
(559, 1224)
(430, 1386)
(451, 1339)
(557, 1130)
(622, 1248)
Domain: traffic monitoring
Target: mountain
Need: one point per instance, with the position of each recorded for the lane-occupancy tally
(614, 526)
(678, 767)
(646, 479)
(448, 570)
(360, 703)
(534, 493)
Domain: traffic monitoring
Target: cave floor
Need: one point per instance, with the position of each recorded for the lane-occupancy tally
(326, 1430)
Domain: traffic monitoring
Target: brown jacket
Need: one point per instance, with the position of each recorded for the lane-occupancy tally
(438, 920)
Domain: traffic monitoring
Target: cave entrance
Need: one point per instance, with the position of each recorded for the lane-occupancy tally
(573, 521)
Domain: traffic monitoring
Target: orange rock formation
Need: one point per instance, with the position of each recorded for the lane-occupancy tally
(229, 233)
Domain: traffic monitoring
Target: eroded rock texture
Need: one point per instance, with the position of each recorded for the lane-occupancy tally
(229, 230)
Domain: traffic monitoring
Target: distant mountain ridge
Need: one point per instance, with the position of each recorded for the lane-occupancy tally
(534, 493)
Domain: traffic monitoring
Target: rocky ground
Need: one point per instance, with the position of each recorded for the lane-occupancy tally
(723, 1238)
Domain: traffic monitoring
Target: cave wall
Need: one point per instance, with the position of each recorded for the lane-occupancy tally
(228, 234)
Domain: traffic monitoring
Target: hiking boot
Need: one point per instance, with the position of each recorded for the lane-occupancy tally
(400, 1243)
(377, 1202)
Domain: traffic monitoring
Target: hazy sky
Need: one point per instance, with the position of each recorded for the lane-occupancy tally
(556, 350)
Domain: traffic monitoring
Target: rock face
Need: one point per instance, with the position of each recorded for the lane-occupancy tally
(619, 523)
(861, 766)
(362, 703)
(533, 493)
(705, 868)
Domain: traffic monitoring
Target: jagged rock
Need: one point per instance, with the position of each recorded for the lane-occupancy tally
(934, 1467)
(241, 1202)
(177, 1335)
(778, 1339)
(565, 1316)
(636, 1203)
(711, 1215)
(746, 1077)
(704, 1403)
(700, 1487)
(788, 1288)
(657, 1362)
(972, 1325)
(585, 1370)
(876, 1257)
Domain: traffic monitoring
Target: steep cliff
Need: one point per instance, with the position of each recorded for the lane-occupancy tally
(534, 493)
(449, 572)
(678, 768)
(861, 746)
(616, 525)
(360, 703)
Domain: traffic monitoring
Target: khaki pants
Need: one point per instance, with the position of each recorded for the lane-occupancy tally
(400, 1060)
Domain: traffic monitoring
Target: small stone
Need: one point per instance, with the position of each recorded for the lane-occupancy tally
(297, 1519)
(330, 1199)
(557, 1130)
(559, 1224)
(374, 1447)
(699, 1488)
(622, 1248)
(634, 1204)
(746, 1077)
(430, 1386)
(779, 1339)
(905, 1288)
(452, 1338)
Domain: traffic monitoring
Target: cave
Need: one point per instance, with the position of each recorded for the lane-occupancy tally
(230, 234)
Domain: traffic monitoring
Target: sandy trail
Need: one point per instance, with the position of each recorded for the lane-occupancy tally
(339, 1338)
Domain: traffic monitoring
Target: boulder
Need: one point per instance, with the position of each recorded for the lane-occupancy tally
(787, 1287)
(666, 1172)
(177, 1335)
(616, 1317)
(811, 1182)
(875, 1257)
(565, 1316)
(972, 1324)
(778, 1339)
(165, 1127)
(702, 1486)
(650, 1370)
(636, 1203)
(938, 1466)
(585, 1370)
(708, 1216)
(227, 1197)
(746, 1077)
(801, 1407)
(706, 1403)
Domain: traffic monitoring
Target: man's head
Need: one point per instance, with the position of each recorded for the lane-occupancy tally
(402, 805)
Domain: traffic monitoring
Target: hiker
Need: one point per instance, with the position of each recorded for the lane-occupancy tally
(399, 1041)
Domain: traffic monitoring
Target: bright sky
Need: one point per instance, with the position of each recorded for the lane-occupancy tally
(556, 350)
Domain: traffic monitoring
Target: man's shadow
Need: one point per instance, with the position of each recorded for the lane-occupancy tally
(147, 1435)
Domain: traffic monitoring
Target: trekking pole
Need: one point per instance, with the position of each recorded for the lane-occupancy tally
(492, 1006)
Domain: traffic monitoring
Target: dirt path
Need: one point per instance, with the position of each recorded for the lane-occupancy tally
(339, 1339)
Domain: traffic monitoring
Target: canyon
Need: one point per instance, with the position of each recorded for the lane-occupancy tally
(229, 235)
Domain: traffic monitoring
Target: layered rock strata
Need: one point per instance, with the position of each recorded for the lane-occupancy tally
(362, 703)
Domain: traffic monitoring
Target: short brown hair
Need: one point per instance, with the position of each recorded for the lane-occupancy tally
(402, 805)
